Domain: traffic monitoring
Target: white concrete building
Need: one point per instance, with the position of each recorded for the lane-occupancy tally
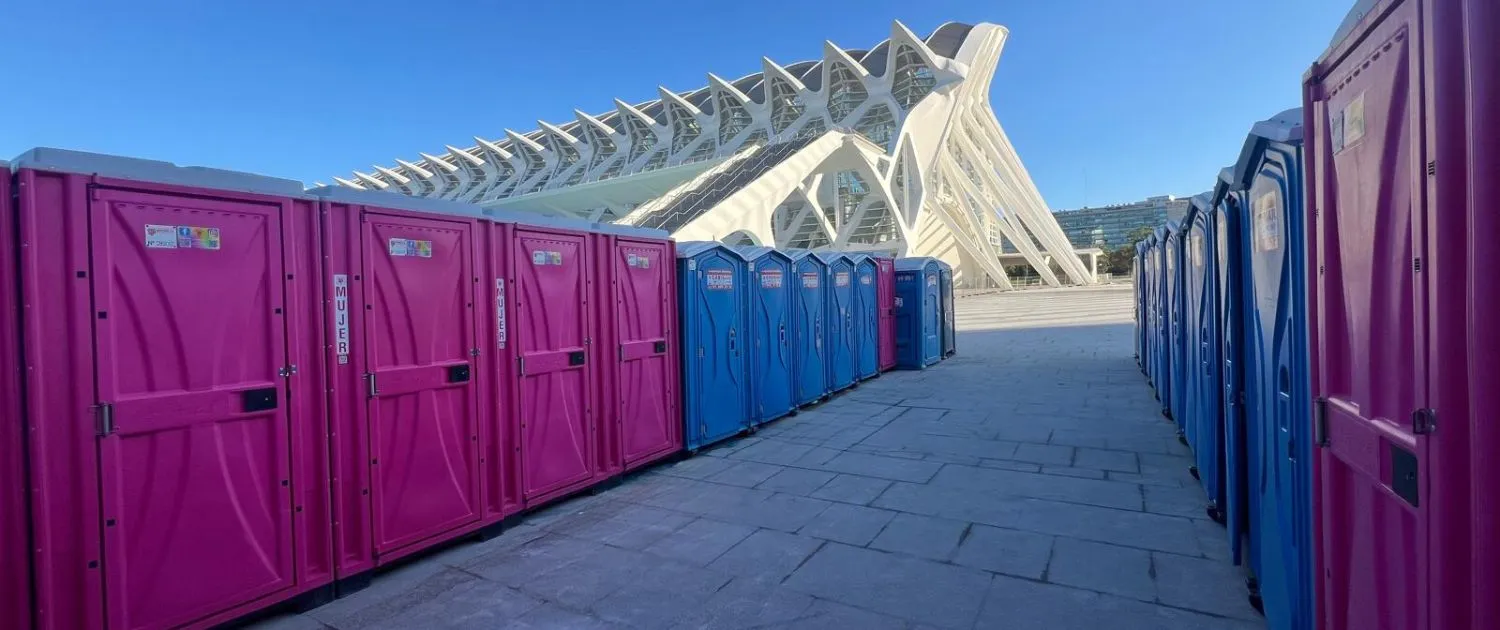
(890, 149)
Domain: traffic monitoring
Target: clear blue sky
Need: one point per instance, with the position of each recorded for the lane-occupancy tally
(1106, 101)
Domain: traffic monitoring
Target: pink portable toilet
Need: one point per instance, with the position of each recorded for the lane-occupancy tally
(175, 482)
(15, 557)
(637, 316)
(404, 278)
(885, 279)
(551, 330)
(1402, 112)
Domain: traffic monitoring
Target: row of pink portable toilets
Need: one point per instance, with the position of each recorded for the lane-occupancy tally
(1342, 367)
(203, 370)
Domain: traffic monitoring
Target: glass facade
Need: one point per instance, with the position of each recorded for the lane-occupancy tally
(1110, 227)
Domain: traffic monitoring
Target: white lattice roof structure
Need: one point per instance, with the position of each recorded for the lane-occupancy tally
(891, 149)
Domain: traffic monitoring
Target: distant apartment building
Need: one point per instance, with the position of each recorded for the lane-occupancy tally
(1109, 227)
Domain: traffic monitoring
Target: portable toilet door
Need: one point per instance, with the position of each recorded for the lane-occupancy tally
(866, 318)
(950, 317)
(919, 317)
(1230, 268)
(165, 307)
(1208, 449)
(809, 313)
(406, 412)
(841, 351)
(1137, 278)
(1169, 361)
(15, 546)
(770, 333)
(886, 303)
(1277, 388)
(641, 316)
(1162, 384)
(716, 384)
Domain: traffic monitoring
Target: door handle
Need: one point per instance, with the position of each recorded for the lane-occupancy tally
(731, 341)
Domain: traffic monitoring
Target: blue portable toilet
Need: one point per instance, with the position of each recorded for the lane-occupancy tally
(866, 317)
(1228, 206)
(770, 333)
(1204, 387)
(809, 319)
(713, 303)
(919, 317)
(1153, 326)
(950, 329)
(1138, 284)
(1167, 252)
(840, 329)
(1277, 389)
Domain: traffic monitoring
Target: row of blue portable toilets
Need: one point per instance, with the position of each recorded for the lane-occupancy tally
(767, 331)
(1222, 336)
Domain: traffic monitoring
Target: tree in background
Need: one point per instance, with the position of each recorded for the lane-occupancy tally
(1120, 260)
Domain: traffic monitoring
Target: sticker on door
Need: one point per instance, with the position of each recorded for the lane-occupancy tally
(719, 279)
(770, 279)
(810, 280)
(341, 317)
(409, 247)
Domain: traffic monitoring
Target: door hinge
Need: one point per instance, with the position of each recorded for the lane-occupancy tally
(286, 371)
(1423, 421)
(521, 364)
(473, 352)
(1432, 167)
(371, 389)
(1416, 264)
(104, 416)
(1320, 422)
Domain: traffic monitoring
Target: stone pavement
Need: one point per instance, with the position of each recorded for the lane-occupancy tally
(1029, 482)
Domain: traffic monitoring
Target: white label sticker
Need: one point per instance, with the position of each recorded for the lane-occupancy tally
(1267, 220)
(841, 279)
(770, 279)
(161, 236)
(865, 279)
(809, 279)
(899, 301)
(341, 317)
(1347, 125)
(719, 279)
(500, 311)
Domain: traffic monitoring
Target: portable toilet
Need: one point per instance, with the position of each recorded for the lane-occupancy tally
(1229, 264)
(1172, 313)
(919, 318)
(713, 306)
(1277, 370)
(809, 321)
(950, 329)
(866, 317)
(637, 314)
(404, 272)
(770, 333)
(840, 330)
(1138, 284)
(1403, 306)
(1202, 332)
(165, 308)
(15, 546)
(885, 279)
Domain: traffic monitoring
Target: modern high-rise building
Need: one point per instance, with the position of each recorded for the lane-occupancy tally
(1109, 227)
(890, 149)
